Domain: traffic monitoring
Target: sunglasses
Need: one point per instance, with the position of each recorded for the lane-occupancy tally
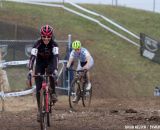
(48, 37)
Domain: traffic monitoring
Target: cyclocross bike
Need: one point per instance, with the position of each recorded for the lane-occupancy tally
(78, 88)
(45, 101)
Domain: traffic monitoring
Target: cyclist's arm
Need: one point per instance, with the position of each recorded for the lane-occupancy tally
(56, 56)
(70, 61)
(34, 52)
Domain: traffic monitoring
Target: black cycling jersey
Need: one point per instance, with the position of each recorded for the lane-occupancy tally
(44, 53)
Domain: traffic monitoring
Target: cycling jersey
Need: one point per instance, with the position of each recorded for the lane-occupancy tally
(80, 55)
(82, 58)
(46, 56)
(44, 53)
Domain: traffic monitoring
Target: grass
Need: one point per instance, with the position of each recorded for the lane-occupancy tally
(119, 69)
(135, 20)
(17, 78)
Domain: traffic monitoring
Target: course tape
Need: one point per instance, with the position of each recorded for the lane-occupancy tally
(86, 17)
(23, 62)
(25, 92)
(17, 94)
(105, 18)
(13, 63)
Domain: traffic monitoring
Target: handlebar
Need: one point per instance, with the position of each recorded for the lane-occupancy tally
(84, 70)
(44, 75)
(29, 77)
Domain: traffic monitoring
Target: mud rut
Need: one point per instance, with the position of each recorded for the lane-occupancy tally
(104, 114)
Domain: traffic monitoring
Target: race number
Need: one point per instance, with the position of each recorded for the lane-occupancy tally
(55, 50)
(34, 51)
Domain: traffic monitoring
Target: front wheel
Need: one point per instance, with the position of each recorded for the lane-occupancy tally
(49, 109)
(73, 92)
(43, 114)
(87, 96)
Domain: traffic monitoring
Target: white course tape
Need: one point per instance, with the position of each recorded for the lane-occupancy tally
(23, 62)
(89, 18)
(105, 18)
(16, 94)
(4, 64)
(26, 92)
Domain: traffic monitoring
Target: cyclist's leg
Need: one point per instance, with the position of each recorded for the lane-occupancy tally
(91, 63)
(88, 81)
(53, 91)
(52, 80)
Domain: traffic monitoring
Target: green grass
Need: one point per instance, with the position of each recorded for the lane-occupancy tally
(17, 77)
(135, 20)
(118, 64)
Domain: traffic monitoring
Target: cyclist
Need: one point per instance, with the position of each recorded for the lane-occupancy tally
(85, 61)
(45, 52)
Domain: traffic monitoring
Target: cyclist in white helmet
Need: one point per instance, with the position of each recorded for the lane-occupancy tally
(85, 60)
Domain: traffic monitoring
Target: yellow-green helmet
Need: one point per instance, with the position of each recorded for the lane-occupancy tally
(76, 45)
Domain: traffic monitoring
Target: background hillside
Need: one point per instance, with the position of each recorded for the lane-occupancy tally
(119, 69)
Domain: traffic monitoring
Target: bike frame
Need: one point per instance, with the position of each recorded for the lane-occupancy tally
(45, 103)
(45, 88)
(46, 109)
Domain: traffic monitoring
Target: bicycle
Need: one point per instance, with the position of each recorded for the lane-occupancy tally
(78, 88)
(46, 101)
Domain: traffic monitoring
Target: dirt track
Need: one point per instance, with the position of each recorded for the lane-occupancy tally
(109, 114)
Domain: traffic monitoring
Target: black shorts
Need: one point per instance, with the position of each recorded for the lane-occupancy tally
(83, 63)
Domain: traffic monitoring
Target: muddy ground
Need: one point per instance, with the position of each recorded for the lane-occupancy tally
(104, 114)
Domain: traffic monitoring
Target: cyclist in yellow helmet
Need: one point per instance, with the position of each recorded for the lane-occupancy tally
(85, 60)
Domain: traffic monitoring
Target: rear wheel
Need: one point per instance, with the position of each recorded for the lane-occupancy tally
(73, 92)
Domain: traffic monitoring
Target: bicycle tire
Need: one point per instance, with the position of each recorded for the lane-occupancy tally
(43, 115)
(72, 94)
(49, 110)
(48, 120)
(51, 103)
(87, 96)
